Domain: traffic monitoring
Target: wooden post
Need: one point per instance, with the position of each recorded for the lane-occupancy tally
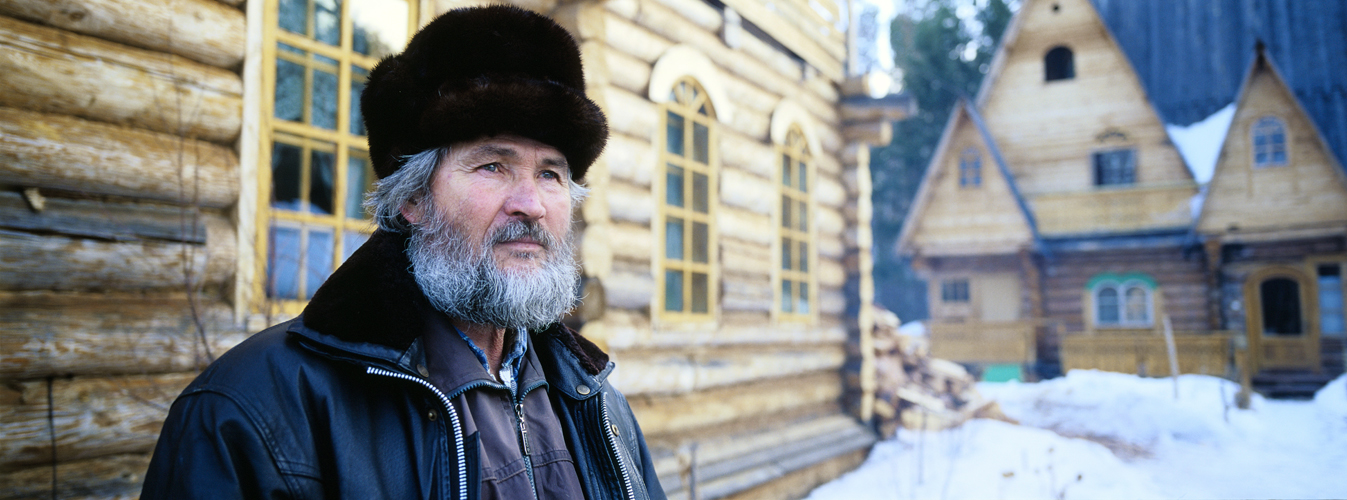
(1173, 356)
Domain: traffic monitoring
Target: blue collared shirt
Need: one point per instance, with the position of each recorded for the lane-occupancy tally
(510, 364)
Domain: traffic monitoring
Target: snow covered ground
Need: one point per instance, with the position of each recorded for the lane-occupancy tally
(1099, 435)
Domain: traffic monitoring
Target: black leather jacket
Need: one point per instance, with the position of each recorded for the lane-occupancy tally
(335, 404)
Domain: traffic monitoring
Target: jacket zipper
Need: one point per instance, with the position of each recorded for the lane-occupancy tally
(524, 437)
(453, 418)
(617, 450)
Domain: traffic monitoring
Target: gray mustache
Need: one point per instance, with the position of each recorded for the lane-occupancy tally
(519, 229)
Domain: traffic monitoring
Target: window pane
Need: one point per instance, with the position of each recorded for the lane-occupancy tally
(785, 171)
(673, 238)
(785, 212)
(283, 263)
(380, 27)
(323, 100)
(700, 143)
(700, 188)
(1106, 302)
(700, 293)
(803, 185)
(787, 302)
(804, 257)
(1136, 306)
(318, 260)
(700, 242)
(291, 16)
(674, 134)
(802, 304)
(359, 180)
(673, 290)
(350, 242)
(1281, 306)
(289, 90)
(1331, 302)
(1114, 167)
(285, 176)
(358, 76)
(327, 21)
(802, 215)
(786, 261)
(321, 165)
(673, 186)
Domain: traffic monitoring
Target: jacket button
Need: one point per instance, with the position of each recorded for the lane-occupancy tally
(582, 389)
(432, 415)
(615, 431)
(423, 371)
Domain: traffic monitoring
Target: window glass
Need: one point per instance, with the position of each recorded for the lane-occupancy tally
(1269, 143)
(674, 134)
(673, 186)
(321, 181)
(1106, 302)
(380, 27)
(689, 202)
(954, 290)
(318, 260)
(283, 261)
(1136, 305)
(970, 168)
(1331, 303)
(1059, 64)
(1281, 306)
(673, 290)
(673, 238)
(1114, 168)
(289, 97)
(358, 77)
(286, 175)
(359, 181)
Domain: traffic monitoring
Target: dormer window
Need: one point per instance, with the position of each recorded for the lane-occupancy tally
(970, 169)
(1269, 142)
(1059, 64)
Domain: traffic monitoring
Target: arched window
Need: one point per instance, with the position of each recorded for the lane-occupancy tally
(970, 168)
(797, 281)
(687, 207)
(1269, 142)
(1059, 64)
(1123, 300)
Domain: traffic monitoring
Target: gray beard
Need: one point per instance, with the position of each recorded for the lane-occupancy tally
(466, 282)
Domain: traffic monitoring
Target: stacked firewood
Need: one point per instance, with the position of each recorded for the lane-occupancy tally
(917, 391)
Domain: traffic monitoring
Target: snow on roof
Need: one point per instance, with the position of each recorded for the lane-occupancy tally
(1200, 143)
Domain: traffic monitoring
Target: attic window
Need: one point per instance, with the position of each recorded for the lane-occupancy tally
(1059, 64)
(1116, 167)
(970, 168)
(1269, 142)
(954, 290)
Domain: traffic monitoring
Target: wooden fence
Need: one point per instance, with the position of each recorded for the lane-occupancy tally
(984, 342)
(1144, 353)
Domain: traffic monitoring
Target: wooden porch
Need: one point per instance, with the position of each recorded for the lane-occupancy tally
(1143, 352)
(984, 342)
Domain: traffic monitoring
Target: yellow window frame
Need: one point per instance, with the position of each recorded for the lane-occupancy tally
(689, 100)
(340, 141)
(796, 290)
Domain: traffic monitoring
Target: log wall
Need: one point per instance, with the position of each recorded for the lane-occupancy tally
(118, 129)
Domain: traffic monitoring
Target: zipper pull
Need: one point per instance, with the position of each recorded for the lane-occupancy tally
(523, 428)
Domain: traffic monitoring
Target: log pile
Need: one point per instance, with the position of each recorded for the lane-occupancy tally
(916, 391)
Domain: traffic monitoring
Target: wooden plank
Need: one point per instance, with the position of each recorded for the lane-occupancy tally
(46, 69)
(748, 191)
(93, 417)
(744, 152)
(746, 293)
(629, 203)
(667, 414)
(37, 262)
(983, 342)
(668, 371)
(631, 159)
(62, 334)
(1131, 209)
(638, 117)
(801, 42)
(103, 220)
(201, 30)
(106, 477)
(54, 151)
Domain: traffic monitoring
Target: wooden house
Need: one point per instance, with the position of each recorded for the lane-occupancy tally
(1058, 229)
(176, 174)
(1274, 223)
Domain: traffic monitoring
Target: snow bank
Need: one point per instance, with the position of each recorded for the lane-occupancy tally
(1200, 143)
(913, 329)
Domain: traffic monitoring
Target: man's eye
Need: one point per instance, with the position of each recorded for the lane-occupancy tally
(490, 167)
(549, 174)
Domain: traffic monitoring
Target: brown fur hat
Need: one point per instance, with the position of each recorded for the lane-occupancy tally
(477, 72)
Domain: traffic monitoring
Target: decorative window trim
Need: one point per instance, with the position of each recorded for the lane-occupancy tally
(795, 253)
(343, 144)
(1122, 285)
(787, 115)
(687, 214)
(682, 61)
(1264, 125)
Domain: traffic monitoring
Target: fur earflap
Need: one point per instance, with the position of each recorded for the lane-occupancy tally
(477, 72)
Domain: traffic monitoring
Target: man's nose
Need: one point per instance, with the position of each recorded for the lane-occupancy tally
(525, 200)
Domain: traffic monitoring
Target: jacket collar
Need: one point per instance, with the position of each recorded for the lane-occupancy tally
(372, 307)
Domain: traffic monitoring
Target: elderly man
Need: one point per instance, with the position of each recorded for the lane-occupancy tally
(431, 364)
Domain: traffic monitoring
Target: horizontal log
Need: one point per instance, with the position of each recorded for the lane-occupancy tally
(744, 190)
(831, 301)
(631, 159)
(830, 246)
(746, 293)
(747, 258)
(669, 414)
(633, 242)
(41, 262)
(829, 220)
(875, 133)
(201, 30)
(828, 191)
(61, 334)
(118, 476)
(626, 36)
(631, 113)
(741, 151)
(627, 71)
(746, 94)
(751, 123)
(830, 273)
(50, 70)
(629, 203)
(627, 290)
(744, 225)
(61, 152)
(92, 417)
(103, 220)
(677, 371)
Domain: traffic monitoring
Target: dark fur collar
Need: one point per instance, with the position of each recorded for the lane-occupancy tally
(374, 298)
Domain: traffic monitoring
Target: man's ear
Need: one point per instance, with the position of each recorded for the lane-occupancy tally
(411, 211)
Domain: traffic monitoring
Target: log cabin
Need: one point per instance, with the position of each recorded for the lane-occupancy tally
(1059, 226)
(177, 174)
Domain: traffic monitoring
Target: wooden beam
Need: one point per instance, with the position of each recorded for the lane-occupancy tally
(803, 44)
(668, 414)
(61, 152)
(50, 70)
(92, 417)
(201, 30)
(103, 220)
(117, 476)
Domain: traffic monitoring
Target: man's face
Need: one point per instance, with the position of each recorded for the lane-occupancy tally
(482, 186)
